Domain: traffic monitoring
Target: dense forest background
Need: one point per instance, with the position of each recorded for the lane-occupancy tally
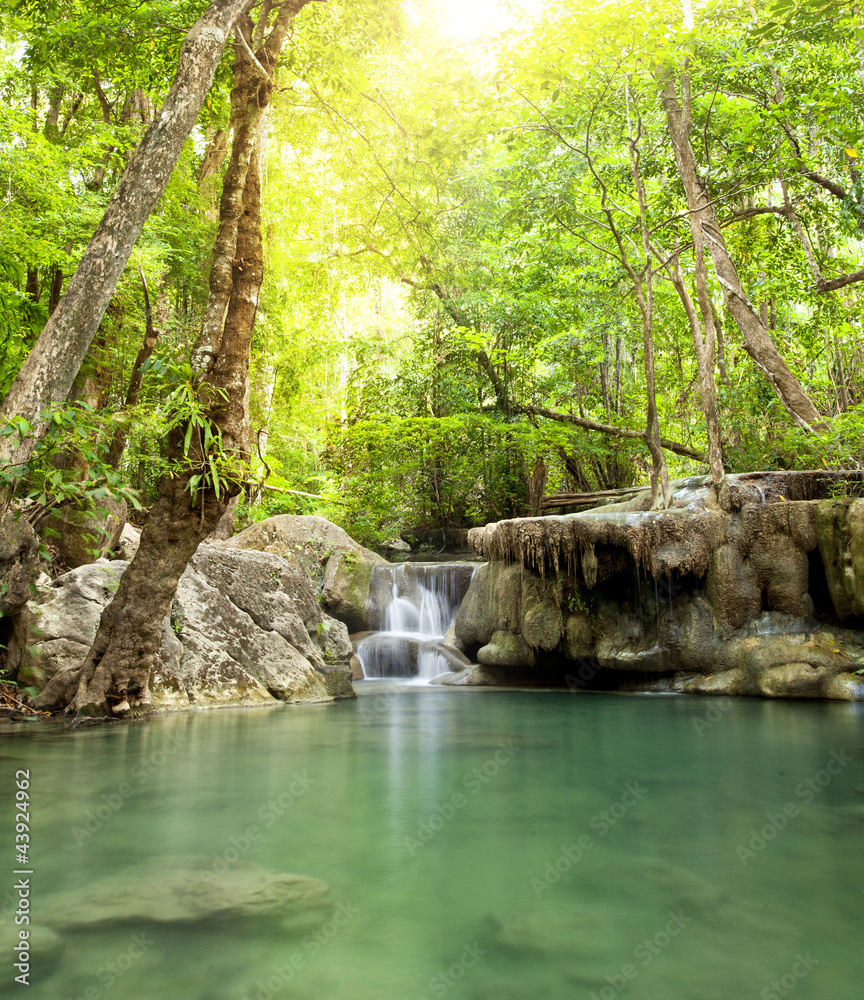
(479, 250)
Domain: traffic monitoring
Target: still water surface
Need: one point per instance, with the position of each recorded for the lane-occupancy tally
(479, 845)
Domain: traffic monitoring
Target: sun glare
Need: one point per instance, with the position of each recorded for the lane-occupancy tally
(466, 20)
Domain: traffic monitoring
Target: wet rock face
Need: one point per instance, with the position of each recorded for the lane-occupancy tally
(716, 600)
(840, 527)
(244, 629)
(338, 681)
(318, 549)
(505, 649)
(19, 563)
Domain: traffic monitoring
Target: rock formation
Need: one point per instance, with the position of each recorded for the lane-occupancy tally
(245, 628)
(759, 591)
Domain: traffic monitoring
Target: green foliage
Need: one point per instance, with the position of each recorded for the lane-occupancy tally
(429, 203)
(420, 474)
(207, 464)
(50, 478)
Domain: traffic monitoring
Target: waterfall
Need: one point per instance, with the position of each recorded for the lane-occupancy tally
(413, 605)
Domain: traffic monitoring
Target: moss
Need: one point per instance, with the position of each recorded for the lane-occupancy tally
(506, 650)
(840, 531)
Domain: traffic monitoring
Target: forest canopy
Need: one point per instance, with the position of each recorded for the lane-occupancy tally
(552, 247)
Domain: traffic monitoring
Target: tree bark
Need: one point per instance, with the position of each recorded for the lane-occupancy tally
(757, 341)
(248, 106)
(115, 676)
(50, 369)
(704, 348)
(118, 441)
(56, 289)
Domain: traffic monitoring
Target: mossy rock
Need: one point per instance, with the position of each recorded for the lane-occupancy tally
(506, 650)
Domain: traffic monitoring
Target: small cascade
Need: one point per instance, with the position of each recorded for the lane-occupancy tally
(413, 605)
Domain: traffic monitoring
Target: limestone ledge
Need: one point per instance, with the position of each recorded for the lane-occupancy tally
(758, 591)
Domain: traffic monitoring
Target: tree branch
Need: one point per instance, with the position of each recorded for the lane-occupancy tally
(834, 283)
(250, 55)
(611, 429)
(824, 182)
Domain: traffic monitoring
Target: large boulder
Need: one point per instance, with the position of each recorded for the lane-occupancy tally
(340, 568)
(45, 945)
(19, 563)
(83, 535)
(251, 610)
(54, 632)
(128, 543)
(244, 629)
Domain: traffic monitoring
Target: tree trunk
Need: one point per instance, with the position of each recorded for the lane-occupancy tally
(704, 349)
(31, 289)
(56, 289)
(246, 117)
(50, 369)
(118, 441)
(661, 491)
(757, 342)
(115, 676)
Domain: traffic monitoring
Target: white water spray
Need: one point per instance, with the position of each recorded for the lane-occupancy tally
(422, 600)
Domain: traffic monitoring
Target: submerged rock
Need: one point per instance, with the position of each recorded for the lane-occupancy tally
(587, 932)
(184, 890)
(45, 944)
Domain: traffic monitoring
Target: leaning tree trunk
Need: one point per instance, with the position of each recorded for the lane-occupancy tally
(704, 349)
(51, 367)
(115, 676)
(757, 341)
(130, 632)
